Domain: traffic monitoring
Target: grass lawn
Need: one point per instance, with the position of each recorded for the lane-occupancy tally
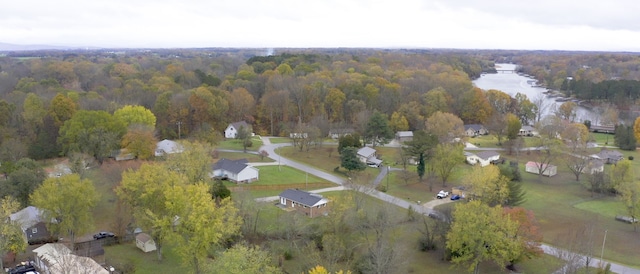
(237, 144)
(602, 138)
(319, 158)
(252, 158)
(125, 254)
(274, 179)
(280, 140)
(607, 206)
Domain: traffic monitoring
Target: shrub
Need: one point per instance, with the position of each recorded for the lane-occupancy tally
(630, 158)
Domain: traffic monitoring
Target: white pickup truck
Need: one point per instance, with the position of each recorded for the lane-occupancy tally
(442, 194)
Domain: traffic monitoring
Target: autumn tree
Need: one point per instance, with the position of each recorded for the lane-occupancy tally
(625, 137)
(398, 122)
(487, 185)
(241, 259)
(135, 115)
(445, 159)
(62, 108)
(636, 128)
(446, 126)
(567, 111)
(241, 104)
(147, 191)
(499, 101)
(334, 104)
(201, 223)
(513, 126)
(630, 196)
(194, 161)
(575, 135)
(140, 141)
(481, 233)
(377, 131)
(619, 174)
(13, 239)
(497, 126)
(474, 108)
(27, 175)
(96, 133)
(525, 109)
(527, 235)
(70, 201)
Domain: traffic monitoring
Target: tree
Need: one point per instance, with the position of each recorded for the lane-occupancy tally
(241, 259)
(12, 239)
(528, 234)
(445, 159)
(421, 146)
(499, 101)
(27, 176)
(377, 131)
(263, 153)
(577, 162)
(194, 161)
(62, 108)
(625, 138)
(636, 128)
(513, 126)
(525, 109)
(487, 185)
(140, 141)
(146, 191)
(349, 159)
(219, 191)
(96, 133)
(135, 115)
(201, 223)
(630, 197)
(548, 152)
(516, 194)
(481, 233)
(70, 201)
(398, 122)
(445, 126)
(568, 111)
(349, 140)
(497, 126)
(619, 174)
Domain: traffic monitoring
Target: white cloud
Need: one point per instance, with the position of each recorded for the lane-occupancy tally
(543, 24)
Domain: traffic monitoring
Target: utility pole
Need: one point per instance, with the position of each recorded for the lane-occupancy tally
(602, 252)
(179, 123)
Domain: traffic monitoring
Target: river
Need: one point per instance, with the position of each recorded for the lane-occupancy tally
(512, 83)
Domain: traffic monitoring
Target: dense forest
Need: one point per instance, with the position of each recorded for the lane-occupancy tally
(198, 92)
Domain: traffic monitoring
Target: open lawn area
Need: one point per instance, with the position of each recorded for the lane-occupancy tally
(127, 256)
(273, 180)
(252, 158)
(237, 144)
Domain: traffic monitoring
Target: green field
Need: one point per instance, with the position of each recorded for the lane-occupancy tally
(237, 144)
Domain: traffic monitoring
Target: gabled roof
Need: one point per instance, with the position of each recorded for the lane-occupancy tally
(487, 154)
(609, 154)
(27, 217)
(303, 197)
(168, 147)
(231, 165)
(528, 128)
(143, 237)
(475, 127)
(238, 125)
(404, 133)
(366, 151)
(536, 165)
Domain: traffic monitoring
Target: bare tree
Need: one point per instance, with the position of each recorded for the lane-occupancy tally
(542, 106)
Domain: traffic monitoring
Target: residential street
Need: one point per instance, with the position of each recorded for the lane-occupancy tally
(424, 209)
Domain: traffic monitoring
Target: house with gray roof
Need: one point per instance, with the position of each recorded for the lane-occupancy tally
(608, 156)
(404, 136)
(307, 203)
(473, 130)
(484, 158)
(31, 223)
(368, 156)
(238, 171)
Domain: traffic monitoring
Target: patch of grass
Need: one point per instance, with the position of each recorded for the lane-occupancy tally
(608, 207)
(128, 254)
(602, 138)
(274, 175)
(252, 158)
(237, 144)
(280, 140)
(316, 157)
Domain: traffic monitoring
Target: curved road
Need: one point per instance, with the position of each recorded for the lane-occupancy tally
(270, 148)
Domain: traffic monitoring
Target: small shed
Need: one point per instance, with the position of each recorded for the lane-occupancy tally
(145, 242)
(535, 167)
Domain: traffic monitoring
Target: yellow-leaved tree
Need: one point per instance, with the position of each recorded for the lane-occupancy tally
(12, 239)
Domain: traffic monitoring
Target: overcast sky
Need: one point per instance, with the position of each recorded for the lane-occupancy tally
(604, 25)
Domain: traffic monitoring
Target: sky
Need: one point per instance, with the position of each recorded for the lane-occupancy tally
(586, 25)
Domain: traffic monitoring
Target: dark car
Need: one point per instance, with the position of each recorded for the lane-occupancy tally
(103, 234)
(455, 197)
(23, 269)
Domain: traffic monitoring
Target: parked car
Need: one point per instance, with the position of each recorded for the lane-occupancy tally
(455, 197)
(442, 194)
(103, 234)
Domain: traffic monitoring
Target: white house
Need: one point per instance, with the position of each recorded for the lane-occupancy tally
(340, 132)
(484, 158)
(231, 132)
(165, 147)
(534, 167)
(528, 131)
(145, 242)
(368, 156)
(237, 171)
(473, 130)
(58, 258)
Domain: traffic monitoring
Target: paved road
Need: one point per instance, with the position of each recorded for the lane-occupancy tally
(425, 209)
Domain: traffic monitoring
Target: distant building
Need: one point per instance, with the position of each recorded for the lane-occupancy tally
(310, 204)
(534, 167)
(473, 130)
(336, 133)
(404, 136)
(484, 158)
(165, 147)
(237, 171)
(232, 130)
